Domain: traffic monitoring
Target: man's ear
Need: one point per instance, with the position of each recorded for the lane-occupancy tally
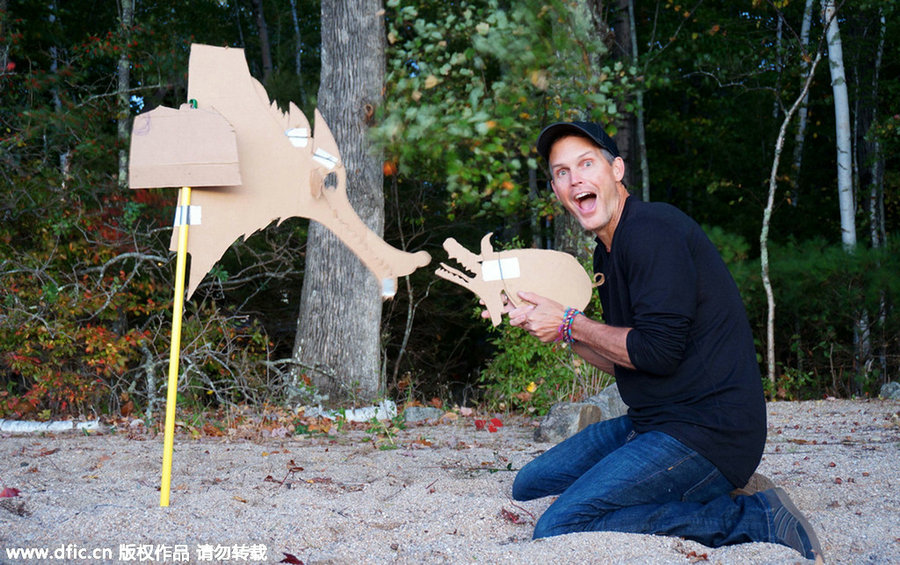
(618, 167)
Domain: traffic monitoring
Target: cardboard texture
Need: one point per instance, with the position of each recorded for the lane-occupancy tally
(184, 147)
(551, 274)
(283, 173)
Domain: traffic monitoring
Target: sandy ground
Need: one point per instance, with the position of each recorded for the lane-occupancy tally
(441, 496)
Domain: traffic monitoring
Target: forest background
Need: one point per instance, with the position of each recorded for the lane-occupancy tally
(706, 99)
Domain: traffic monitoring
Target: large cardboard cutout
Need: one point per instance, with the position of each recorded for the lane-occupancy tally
(495, 275)
(255, 165)
(285, 171)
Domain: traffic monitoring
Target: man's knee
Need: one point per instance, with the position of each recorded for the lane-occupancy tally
(554, 522)
(524, 485)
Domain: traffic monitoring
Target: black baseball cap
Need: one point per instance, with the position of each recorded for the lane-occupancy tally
(591, 130)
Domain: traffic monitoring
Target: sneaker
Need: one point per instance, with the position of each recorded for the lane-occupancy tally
(757, 483)
(790, 527)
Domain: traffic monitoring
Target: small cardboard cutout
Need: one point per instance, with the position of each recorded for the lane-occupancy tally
(285, 171)
(184, 147)
(551, 274)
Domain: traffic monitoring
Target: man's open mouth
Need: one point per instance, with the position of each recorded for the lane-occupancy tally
(585, 200)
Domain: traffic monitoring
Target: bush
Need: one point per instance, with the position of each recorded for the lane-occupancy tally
(86, 318)
(836, 331)
(529, 375)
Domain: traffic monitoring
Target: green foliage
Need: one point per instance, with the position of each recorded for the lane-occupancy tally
(732, 247)
(383, 433)
(64, 343)
(471, 84)
(530, 376)
(821, 293)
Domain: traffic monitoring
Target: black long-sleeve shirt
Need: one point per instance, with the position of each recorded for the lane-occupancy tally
(696, 376)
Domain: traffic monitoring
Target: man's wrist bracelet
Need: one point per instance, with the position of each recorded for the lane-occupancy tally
(565, 329)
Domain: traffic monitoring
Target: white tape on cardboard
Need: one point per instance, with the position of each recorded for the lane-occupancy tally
(500, 269)
(187, 216)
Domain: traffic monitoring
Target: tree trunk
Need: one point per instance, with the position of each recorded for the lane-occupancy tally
(876, 185)
(298, 49)
(4, 47)
(123, 72)
(639, 113)
(869, 156)
(842, 129)
(236, 9)
(779, 62)
(568, 235)
(767, 216)
(264, 46)
(846, 196)
(64, 152)
(800, 137)
(625, 121)
(340, 310)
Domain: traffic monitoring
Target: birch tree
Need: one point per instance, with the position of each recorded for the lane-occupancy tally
(846, 196)
(842, 127)
(767, 217)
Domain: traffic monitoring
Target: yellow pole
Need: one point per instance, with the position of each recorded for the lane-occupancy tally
(175, 350)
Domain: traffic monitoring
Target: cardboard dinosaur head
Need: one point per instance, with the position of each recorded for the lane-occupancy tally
(285, 169)
(498, 276)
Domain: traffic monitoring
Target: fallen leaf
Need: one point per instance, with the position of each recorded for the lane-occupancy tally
(288, 558)
(511, 516)
(9, 492)
(694, 557)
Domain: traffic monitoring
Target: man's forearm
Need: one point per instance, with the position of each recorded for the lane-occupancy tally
(601, 345)
(594, 358)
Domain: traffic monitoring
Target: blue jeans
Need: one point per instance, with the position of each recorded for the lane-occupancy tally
(610, 478)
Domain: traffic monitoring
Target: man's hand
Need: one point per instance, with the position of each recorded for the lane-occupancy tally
(539, 316)
(600, 345)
